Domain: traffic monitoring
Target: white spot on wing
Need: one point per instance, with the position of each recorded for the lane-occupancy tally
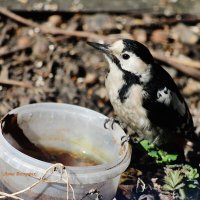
(169, 98)
(164, 96)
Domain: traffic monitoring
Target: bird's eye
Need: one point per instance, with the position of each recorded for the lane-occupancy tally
(125, 56)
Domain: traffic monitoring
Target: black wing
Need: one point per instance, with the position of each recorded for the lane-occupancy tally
(164, 103)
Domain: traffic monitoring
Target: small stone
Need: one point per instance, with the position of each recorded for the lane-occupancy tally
(90, 78)
(39, 64)
(192, 87)
(140, 35)
(23, 1)
(24, 41)
(39, 82)
(138, 22)
(90, 92)
(101, 92)
(98, 22)
(55, 20)
(159, 36)
(51, 6)
(184, 34)
(41, 47)
(147, 18)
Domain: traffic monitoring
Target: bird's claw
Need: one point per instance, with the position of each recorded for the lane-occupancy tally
(124, 139)
(112, 121)
(136, 140)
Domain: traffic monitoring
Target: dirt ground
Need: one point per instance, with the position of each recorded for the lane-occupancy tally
(42, 65)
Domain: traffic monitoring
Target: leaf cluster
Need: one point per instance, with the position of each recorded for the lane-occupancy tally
(179, 180)
(159, 155)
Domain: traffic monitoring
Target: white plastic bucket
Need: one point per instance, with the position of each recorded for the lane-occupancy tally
(62, 127)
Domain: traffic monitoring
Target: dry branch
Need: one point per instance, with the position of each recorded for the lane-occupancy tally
(177, 65)
(17, 18)
(53, 31)
(186, 67)
(14, 50)
(180, 61)
(16, 83)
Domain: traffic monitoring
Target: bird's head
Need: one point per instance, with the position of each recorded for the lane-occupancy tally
(126, 55)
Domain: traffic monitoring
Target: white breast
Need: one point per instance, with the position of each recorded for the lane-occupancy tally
(131, 111)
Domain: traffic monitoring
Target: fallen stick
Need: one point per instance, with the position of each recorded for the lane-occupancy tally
(16, 83)
(186, 67)
(169, 21)
(15, 49)
(53, 31)
(21, 61)
(179, 66)
(185, 61)
(10, 14)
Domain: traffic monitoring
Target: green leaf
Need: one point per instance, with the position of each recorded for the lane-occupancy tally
(172, 157)
(181, 185)
(167, 188)
(145, 144)
(190, 172)
(153, 154)
(160, 155)
(192, 186)
(174, 179)
(169, 181)
(182, 194)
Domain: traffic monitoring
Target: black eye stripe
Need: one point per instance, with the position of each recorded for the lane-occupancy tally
(125, 56)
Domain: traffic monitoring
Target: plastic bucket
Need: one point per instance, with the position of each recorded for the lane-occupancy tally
(66, 128)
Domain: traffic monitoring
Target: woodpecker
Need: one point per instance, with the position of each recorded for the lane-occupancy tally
(143, 94)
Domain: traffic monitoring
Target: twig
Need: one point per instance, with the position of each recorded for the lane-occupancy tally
(44, 179)
(16, 49)
(182, 20)
(21, 61)
(17, 18)
(16, 83)
(3, 195)
(168, 21)
(53, 31)
(140, 183)
(186, 67)
(183, 61)
(177, 65)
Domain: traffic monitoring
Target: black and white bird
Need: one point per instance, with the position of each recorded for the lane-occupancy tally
(143, 94)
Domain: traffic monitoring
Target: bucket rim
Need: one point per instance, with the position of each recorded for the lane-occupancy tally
(25, 162)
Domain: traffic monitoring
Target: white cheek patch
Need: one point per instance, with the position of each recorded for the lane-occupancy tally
(134, 64)
(145, 77)
(169, 98)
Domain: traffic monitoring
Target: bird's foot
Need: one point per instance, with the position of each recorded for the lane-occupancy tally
(110, 121)
(125, 138)
(136, 139)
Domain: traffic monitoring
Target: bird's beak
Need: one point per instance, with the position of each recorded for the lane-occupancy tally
(104, 48)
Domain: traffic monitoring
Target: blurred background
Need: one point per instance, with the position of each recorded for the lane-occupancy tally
(44, 56)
